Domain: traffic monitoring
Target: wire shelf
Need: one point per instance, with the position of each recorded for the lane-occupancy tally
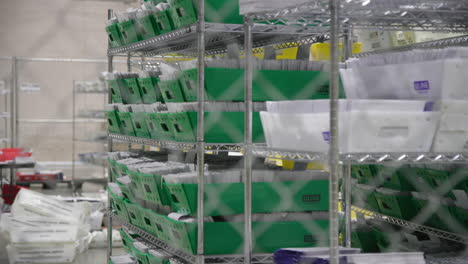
(184, 146)
(430, 15)
(413, 226)
(263, 151)
(441, 43)
(183, 257)
(381, 158)
(447, 260)
(362, 158)
(218, 36)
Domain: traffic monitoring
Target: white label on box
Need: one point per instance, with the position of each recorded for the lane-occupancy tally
(30, 87)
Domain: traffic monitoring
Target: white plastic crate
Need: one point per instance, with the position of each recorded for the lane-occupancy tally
(452, 132)
(428, 80)
(369, 131)
(308, 132)
(345, 105)
(365, 126)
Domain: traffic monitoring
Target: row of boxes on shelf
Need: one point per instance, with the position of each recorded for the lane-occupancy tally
(431, 74)
(368, 126)
(272, 80)
(134, 88)
(294, 229)
(175, 185)
(159, 17)
(140, 251)
(153, 122)
(224, 81)
(425, 178)
(426, 209)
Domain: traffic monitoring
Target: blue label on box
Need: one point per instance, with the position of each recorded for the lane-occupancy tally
(429, 106)
(422, 86)
(326, 136)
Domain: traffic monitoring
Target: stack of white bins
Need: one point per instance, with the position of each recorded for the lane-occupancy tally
(401, 102)
(42, 229)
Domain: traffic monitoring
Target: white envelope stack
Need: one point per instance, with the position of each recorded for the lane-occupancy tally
(43, 229)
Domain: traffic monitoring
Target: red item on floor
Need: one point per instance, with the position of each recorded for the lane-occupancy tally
(9, 192)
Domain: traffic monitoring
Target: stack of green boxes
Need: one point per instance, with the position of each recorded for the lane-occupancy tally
(405, 192)
(161, 17)
(220, 127)
(226, 84)
(225, 200)
(132, 88)
(222, 85)
(113, 33)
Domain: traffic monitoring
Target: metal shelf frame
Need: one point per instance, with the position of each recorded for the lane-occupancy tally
(291, 27)
(76, 119)
(344, 16)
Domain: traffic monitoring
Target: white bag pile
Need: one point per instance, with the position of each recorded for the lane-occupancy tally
(44, 229)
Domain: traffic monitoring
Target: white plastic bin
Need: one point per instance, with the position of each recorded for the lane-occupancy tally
(307, 132)
(365, 126)
(372, 131)
(428, 80)
(452, 132)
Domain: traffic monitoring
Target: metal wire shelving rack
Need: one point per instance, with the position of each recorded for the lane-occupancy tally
(197, 41)
(293, 27)
(346, 15)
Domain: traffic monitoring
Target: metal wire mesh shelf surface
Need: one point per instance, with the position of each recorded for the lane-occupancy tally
(218, 36)
(183, 257)
(362, 158)
(263, 151)
(412, 226)
(176, 145)
(446, 260)
(441, 43)
(432, 15)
